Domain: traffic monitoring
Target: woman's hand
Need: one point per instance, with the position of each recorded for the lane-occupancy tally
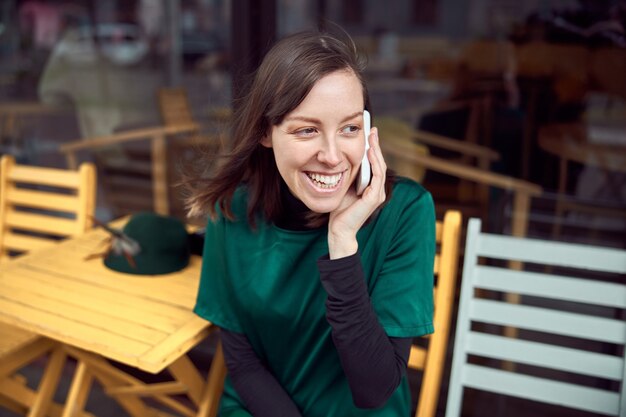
(347, 219)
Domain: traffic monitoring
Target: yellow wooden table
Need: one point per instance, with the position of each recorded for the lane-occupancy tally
(95, 315)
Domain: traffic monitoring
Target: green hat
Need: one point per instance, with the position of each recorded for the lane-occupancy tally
(163, 246)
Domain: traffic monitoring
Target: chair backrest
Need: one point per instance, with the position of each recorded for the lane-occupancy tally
(174, 106)
(430, 360)
(396, 130)
(40, 205)
(563, 303)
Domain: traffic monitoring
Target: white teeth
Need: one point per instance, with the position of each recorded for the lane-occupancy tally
(325, 181)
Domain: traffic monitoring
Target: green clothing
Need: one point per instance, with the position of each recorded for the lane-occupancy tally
(265, 283)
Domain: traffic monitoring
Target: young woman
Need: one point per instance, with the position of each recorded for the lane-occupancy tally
(318, 291)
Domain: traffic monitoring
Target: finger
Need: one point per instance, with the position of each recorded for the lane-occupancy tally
(378, 151)
(377, 161)
(347, 200)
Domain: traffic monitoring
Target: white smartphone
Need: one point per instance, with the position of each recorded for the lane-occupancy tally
(365, 172)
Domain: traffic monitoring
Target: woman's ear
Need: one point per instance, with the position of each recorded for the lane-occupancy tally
(266, 141)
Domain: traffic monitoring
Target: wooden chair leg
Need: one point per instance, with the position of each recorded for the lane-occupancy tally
(12, 405)
(214, 386)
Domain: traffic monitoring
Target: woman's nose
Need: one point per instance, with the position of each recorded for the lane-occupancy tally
(329, 153)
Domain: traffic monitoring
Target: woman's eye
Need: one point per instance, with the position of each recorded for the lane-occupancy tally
(351, 129)
(307, 131)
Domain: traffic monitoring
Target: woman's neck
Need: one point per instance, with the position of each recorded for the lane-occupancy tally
(294, 212)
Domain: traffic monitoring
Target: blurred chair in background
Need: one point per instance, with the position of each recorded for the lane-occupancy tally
(174, 106)
(462, 152)
(407, 149)
(554, 83)
(184, 150)
(134, 185)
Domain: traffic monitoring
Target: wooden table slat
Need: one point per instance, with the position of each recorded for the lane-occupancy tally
(103, 299)
(64, 329)
(179, 288)
(87, 316)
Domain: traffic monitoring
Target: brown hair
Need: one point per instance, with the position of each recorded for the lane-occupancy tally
(284, 78)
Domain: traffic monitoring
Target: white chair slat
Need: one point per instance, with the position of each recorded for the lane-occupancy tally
(539, 389)
(545, 355)
(560, 287)
(549, 321)
(552, 253)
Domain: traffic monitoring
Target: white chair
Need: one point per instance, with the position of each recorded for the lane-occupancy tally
(568, 345)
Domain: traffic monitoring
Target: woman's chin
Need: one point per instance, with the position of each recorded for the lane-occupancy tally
(321, 205)
(321, 208)
(322, 199)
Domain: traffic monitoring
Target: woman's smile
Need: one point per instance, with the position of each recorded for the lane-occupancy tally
(327, 182)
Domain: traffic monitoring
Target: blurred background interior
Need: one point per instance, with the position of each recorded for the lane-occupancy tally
(511, 111)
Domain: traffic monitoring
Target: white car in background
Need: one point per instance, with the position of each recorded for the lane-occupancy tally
(123, 44)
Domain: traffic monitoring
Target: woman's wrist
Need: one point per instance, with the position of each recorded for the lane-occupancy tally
(340, 247)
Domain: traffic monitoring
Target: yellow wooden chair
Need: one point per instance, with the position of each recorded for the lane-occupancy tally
(37, 207)
(431, 359)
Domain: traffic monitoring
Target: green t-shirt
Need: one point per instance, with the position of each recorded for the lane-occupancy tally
(265, 283)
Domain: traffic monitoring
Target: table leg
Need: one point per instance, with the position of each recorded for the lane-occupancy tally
(12, 362)
(49, 383)
(114, 379)
(106, 374)
(159, 175)
(519, 228)
(79, 391)
(559, 210)
(185, 371)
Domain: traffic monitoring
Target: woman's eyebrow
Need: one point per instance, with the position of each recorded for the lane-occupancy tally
(352, 116)
(318, 121)
(303, 119)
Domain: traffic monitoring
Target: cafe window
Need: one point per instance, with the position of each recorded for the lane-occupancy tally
(425, 12)
(352, 11)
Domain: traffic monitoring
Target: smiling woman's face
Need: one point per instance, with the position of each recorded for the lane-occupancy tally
(318, 147)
